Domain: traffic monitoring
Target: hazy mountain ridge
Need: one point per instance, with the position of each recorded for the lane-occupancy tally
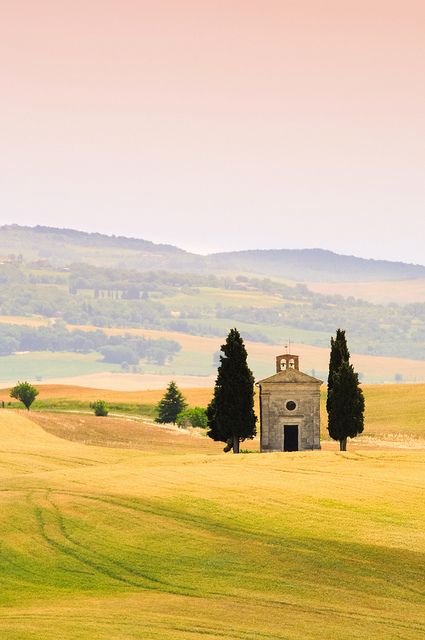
(316, 265)
(63, 246)
(76, 237)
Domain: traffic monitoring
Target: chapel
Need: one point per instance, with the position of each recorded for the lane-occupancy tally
(289, 408)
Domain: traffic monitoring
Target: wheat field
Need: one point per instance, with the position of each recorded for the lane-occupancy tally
(394, 411)
(155, 543)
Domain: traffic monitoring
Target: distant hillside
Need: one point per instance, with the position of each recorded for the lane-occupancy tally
(314, 265)
(58, 275)
(64, 246)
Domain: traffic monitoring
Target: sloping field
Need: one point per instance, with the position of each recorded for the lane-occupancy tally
(127, 433)
(378, 292)
(194, 358)
(396, 410)
(194, 396)
(115, 544)
(311, 357)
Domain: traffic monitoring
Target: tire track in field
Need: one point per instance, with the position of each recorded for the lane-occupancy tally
(78, 544)
(203, 522)
(56, 540)
(58, 537)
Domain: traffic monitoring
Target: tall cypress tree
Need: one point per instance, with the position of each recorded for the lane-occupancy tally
(346, 400)
(231, 417)
(339, 354)
(171, 404)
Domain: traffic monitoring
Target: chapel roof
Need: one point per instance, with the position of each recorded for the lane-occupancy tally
(290, 375)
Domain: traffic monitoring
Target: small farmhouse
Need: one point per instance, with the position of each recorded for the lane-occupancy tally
(289, 408)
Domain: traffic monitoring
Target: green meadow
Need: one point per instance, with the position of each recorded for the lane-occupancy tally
(47, 364)
(175, 542)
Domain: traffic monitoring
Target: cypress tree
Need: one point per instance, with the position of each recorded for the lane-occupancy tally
(339, 354)
(346, 400)
(171, 404)
(231, 417)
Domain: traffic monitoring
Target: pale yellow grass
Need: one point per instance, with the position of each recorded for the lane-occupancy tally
(126, 433)
(396, 410)
(133, 381)
(400, 291)
(126, 545)
(194, 396)
(33, 321)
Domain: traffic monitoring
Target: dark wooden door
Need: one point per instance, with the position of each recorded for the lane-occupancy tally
(290, 437)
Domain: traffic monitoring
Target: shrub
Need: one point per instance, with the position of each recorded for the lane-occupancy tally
(194, 417)
(100, 408)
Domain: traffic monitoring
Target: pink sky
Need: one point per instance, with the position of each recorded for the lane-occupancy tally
(190, 122)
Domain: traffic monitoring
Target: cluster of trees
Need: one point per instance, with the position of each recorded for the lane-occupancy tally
(390, 330)
(130, 350)
(173, 408)
(114, 349)
(103, 297)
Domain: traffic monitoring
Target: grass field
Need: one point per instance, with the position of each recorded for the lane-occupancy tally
(29, 321)
(53, 396)
(45, 364)
(400, 291)
(208, 298)
(170, 544)
(394, 411)
(196, 357)
(261, 357)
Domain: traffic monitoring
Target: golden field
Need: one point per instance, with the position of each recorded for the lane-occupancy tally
(395, 411)
(195, 396)
(377, 292)
(176, 541)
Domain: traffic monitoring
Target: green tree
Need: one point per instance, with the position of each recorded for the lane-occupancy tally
(100, 408)
(339, 354)
(231, 417)
(25, 393)
(171, 405)
(346, 402)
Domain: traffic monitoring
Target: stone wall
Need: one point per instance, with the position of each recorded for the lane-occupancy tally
(274, 414)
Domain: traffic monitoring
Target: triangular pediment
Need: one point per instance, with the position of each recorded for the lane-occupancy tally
(290, 375)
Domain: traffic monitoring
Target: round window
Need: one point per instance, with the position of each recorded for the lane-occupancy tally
(290, 405)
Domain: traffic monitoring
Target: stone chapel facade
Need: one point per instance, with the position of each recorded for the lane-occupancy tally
(289, 408)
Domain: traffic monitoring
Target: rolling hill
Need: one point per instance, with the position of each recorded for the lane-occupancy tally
(173, 544)
(63, 278)
(63, 246)
(394, 412)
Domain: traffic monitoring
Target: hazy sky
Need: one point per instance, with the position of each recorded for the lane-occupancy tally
(218, 124)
